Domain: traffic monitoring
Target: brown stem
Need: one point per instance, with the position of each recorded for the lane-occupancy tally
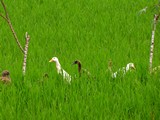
(10, 25)
(4, 17)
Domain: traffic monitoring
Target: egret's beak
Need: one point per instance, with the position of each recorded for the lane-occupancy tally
(51, 60)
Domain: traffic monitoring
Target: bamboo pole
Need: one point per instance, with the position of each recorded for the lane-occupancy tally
(25, 53)
(152, 42)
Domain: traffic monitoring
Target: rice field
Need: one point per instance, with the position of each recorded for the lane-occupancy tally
(94, 32)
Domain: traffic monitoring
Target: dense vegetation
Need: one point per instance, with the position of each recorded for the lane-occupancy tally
(93, 31)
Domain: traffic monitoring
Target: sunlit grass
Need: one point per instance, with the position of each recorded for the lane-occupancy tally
(93, 31)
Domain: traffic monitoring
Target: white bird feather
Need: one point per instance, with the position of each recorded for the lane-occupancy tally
(123, 70)
(60, 70)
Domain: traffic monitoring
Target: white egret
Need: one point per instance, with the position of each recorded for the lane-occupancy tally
(60, 70)
(123, 70)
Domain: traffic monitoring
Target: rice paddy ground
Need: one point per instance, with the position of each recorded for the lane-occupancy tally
(93, 31)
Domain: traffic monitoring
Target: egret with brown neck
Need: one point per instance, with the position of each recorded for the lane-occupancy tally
(80, 69)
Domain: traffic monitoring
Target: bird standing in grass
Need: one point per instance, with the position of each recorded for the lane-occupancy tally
(80, 69)
(60, 70)
(5, 77)
(124, 70)
(110, 66)
(44, 78)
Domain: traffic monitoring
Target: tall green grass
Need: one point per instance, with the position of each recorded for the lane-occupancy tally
(93, 31)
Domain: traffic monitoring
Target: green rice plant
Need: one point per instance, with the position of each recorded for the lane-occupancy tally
(93, 31)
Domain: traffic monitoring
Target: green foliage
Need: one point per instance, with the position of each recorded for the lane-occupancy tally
(93, 31)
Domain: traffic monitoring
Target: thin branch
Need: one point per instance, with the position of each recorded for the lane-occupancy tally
(10, 25)
(4, 17)
(25, 53)
(15, 36)
(152, 41)
(4, 9)
(143, 10)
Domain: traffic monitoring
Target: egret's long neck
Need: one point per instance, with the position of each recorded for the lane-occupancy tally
(79, 67)
(58, 66)
(127, 68)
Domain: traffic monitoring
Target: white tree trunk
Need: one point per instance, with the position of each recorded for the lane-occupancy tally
(25, 53)
(152, 42)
